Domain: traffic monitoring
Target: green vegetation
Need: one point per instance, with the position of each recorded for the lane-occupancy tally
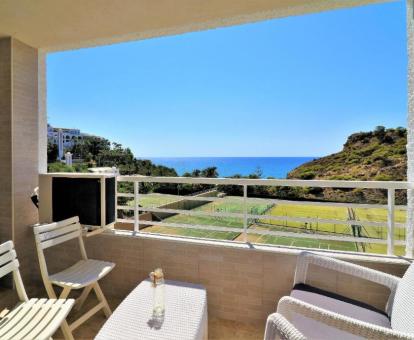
(61, 167)
(308, 211)
(337, 213)
(154, 200)
(52, 152)
(380, 215)
(377, 155)
(300, 242)
(189, 232)
(284, 211)
(96, 151)
(365, 155)
(224, 205)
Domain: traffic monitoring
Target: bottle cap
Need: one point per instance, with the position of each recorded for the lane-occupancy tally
(156, 275)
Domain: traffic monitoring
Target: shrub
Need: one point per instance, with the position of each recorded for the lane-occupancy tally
(383, 177)
(307, 175)
(60, 167)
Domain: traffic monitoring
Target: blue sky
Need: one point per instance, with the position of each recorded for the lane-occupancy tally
(289, 87)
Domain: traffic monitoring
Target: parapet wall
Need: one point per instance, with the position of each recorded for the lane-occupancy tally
(244, 282)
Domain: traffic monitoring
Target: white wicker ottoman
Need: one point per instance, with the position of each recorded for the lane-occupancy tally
(185, 314)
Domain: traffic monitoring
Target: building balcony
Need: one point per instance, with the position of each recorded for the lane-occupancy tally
(243, 248)
(244, 278)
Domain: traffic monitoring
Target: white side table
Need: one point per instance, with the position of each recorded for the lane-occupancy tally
(185, 314)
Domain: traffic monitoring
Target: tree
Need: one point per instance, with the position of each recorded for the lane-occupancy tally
(52, 152)
(258, 172)
(233, 190)
(96, 151)
(116, 156)
(90, 147)
(210, 172)
(379, 129)
(379, 132)
(196, 173)
(401, 131)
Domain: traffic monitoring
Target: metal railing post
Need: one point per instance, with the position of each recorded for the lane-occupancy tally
(390, 219)
(136, 206)
(116, 199)
(409, 228)
(245, 212)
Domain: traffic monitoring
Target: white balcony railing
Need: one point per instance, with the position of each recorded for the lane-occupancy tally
(270, 225)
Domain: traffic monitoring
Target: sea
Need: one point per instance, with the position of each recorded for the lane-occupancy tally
(277, 167)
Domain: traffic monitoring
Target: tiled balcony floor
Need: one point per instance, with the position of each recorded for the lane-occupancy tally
(218, 328)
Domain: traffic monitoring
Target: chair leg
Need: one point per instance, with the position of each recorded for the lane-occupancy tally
(81, 299)
(101, 298)
(49, 290)
(65, 293)
(67, 333)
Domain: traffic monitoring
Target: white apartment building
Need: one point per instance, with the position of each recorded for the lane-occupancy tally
(64, 138)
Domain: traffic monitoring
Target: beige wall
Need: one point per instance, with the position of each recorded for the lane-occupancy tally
(242, 284)
(5, 139)
(18, 147)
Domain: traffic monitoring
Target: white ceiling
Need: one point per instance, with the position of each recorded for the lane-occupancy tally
(68, 24)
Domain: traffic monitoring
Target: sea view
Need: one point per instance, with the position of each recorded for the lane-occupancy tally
(207, 170)
(277, 167)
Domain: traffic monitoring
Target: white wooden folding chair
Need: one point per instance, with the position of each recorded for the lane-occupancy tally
(30, 319)
(84, 274)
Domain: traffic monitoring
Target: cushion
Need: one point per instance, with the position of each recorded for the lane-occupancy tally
(336, 303)
(402, 315)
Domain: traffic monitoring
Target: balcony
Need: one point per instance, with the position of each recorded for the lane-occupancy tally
(242, 247)
(243, 281)
(244, 278)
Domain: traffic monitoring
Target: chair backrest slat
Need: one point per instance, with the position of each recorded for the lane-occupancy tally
(9, 267)
(56, 225)
(56, 233)
(60, 239)
(6, 246)
(10, 264)
(8, 259)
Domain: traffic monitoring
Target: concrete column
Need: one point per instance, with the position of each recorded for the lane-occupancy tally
(410, 128)
(42, 112)
(19, 150)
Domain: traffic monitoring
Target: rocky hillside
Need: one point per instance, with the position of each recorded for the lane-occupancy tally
(377, 155)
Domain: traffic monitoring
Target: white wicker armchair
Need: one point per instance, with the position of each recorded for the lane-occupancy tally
(312, 313)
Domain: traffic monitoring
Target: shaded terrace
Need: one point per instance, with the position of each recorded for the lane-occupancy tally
(243, 281)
